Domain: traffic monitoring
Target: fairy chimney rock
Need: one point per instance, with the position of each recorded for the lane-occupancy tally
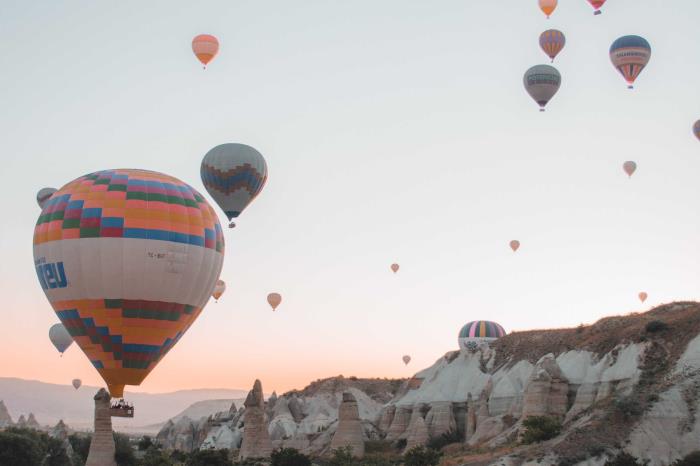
(349, 431)
(256, 440)
(5, 418)
(102, 445)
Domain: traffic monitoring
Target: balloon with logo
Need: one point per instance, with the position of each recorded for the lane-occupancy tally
(515, 245)
(44, 195)
(643, 296)
(630, 55)
(274, 300)
(205, 48)
(128, 259)
(394, 268)
(219, 289)
(548, 6)
(552, 42)
(60, 337)
(406, 359)
(77, 383)
(629, 167)
(234, 174)
(542, 83)
(596, 4)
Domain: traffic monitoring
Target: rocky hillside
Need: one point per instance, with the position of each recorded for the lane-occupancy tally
(627, 383)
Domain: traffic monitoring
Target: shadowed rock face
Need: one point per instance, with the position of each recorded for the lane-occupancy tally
(399, 425)
(417, 433)
(440, 419)
(546, 391)
(5, 418)
(349, 431)
(102, 445)
(256, 440)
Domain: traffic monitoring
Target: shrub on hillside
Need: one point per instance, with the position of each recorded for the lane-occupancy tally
(20, 447)
(692, 459)
(124, 454)
(629, 407)
(436, 443)
(421, 456)
(624, 459)
(540, 428)
(656, 326)
(209, 458)
(289, 457)
(156, 457)
(342, 457)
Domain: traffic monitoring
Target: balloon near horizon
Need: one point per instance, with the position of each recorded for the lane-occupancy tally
(128, 259)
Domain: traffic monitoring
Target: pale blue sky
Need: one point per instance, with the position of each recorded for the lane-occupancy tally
(394, 130)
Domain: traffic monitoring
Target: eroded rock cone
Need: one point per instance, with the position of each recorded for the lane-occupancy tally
(5, 418)
(440, 419)
(402, 418)
(417, 433)
(22, 421)
(32, 423)
(60, 432)
(546, 391)
(102, 444)
(256, 440)
(349, 431)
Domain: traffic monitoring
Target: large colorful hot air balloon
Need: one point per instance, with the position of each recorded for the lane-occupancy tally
(630, 54)
(475, 333)
(128, 260)
(548, 6)
(406, 359)
(60, 337)
(629, 167)
(205, 47)
(542, 82)
(696, 129)
(596, 4)
(274, 300)
(234, 174)
(219, 289)
(643, 296)
(44, 195)
(515, 245)
(552, 42)
(394, 268)
(77, 383)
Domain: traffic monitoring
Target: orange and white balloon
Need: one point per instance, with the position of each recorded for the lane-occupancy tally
(643, 296)
(274, 300)
(205, 47)
(548, 6)
(219, 289)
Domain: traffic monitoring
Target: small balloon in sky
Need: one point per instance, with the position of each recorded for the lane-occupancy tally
(515, 245)
(60, 337)
(274, 300)
(394, 268)
(643, 296)
(630, 55)
(629, 167)
(596, 4)
(696, 129)
(548, 6)
(552, 42)
(219, 289)
(205, 47)
(43, 196)
(542, 83)
(77, 383)
(406, 359)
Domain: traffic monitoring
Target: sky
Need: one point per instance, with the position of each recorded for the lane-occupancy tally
(394, 131)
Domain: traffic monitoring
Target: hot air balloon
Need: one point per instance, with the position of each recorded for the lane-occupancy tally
(205, 47)
(630, 54)
(274, 299)
(596, 4)
(643, 296)
(60, 337)
(406, 359)
(479, 332)
(394, 268)
(234, 174)
(44, 195)
(542, 82)
(629, 167)
(128, 259)
(696, 129)
(552, 42)
(77, 383)
(219, 289)
(548, 6)
(515, 245)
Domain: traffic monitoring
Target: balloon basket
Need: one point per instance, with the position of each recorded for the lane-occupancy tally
(630, 87)
(121, 409)
(232, 225)
(541, 110)
(597, 12)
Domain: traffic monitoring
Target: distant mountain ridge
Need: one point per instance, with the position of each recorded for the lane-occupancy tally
(52, 402)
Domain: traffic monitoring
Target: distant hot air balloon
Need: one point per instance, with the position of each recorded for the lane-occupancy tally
(542, 82)
(643, 296)
(77, 383)
(44, 195)
(60, 337)
(515, 245)
(629, 55)
(394, 268)
(219, 289)
(629, 167)
(596, 4)
(548, 6)
(406, 359)
(205, 47)
(696, 129)
(274, 299)
(234, 174)
(552, 42)
(127, 259)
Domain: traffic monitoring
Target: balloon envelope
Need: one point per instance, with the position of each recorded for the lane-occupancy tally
(548, 6)
(643, 296)
(44, 195)
(219, 289)
(515, 245)
(394, 268)
(629, 167)
(552, 42)
(629, 55)
(60, 337)
(205, 47)
(77, 383)
(596, 4)
(696, 129)
(542, 82)
(234, 174)
(274, 300)
(406, 359)
(128, 259)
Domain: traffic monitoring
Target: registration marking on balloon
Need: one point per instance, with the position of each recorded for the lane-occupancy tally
(128, 260)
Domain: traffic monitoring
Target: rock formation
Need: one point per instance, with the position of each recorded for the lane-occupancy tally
(417, 432)
(349, 430)
(440, 419)
(5, 418)
(547, 390)
(470, 428)
(32, 422)
(387, 417)
(60, 432)
(22, 421)
(402, 418)
(102, 445)
(256, 439)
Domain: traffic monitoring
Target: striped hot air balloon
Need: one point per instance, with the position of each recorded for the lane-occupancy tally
(542, 83)
(477, 332)
(552, 42)
(205, 47)
(596, 4)
(629, 55)
(128, 259)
